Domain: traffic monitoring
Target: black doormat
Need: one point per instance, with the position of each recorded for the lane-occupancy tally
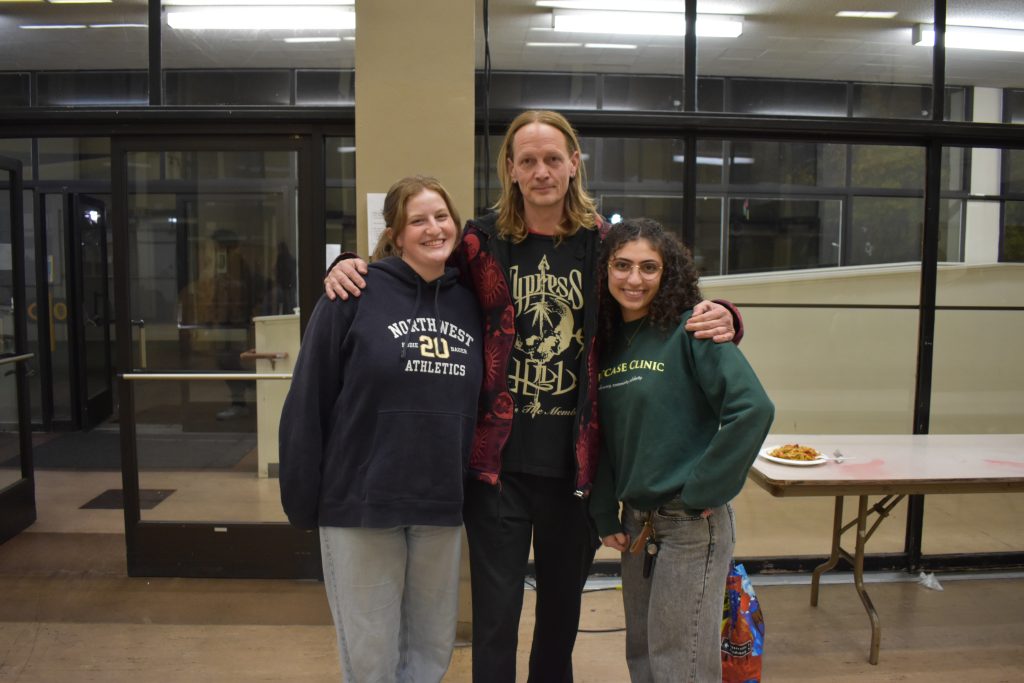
(101, 450)
(113, 499)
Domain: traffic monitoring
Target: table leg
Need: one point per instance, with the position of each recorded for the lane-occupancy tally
(858, 579)
(837, 532)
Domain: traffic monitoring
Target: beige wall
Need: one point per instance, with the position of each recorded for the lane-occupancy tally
(415, 83)
(851, 370)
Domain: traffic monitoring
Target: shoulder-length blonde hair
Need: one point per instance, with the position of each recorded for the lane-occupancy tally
(395, 216)
(580, 210)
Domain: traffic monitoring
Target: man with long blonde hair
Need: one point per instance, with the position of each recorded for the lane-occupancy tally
(532, 263)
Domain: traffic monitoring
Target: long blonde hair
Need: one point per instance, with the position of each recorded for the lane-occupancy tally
(580, 209)
(394, 212)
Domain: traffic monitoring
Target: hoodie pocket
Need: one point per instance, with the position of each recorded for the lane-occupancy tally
(418, 457)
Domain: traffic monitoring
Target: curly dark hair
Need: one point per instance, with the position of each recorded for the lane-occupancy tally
(678, 291)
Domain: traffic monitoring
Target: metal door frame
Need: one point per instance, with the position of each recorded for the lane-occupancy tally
(18, 501)
(209, 549)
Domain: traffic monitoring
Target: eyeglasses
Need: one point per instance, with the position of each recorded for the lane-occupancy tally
(621, 268)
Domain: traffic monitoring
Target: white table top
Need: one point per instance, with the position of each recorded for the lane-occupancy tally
(898, 464)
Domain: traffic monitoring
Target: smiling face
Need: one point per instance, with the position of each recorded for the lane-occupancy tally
(542, 166)
(634, 277)
(428, 237)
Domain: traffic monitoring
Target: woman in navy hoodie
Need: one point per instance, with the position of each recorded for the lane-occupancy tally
(375, 438)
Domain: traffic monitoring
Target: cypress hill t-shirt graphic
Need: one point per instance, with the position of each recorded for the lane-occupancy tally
(441, 346)
(546, 283)
(547, 349)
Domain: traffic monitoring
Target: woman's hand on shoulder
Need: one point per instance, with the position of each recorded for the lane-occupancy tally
(619, 541)
(711, 321)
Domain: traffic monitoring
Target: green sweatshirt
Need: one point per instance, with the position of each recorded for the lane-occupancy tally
(678, 415)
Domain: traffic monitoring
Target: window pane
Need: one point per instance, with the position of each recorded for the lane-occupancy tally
(984, 65)
(885, 230)
(783, 234)
(340, 155)
(764, 162)
(74, 159)
(1013, 233)
(887, 167)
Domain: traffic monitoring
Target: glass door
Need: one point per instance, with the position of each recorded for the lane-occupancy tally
(91, 310)
(17, 485)
(206, 275)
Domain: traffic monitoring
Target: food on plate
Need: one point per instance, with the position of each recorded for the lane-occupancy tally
(793, 451)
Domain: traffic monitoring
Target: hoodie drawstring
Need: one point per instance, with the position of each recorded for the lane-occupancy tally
(416, 307)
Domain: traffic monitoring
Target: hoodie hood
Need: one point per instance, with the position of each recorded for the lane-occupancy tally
(396, 267)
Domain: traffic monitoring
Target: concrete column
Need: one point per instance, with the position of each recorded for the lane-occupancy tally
(414, 97)
(981, 243)
(415, 112)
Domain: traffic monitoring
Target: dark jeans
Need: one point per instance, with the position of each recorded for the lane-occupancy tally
(500, 523)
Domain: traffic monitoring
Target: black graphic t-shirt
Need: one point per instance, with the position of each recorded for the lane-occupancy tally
(546, 281)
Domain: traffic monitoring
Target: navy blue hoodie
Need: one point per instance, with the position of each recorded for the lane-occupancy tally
(377, 426)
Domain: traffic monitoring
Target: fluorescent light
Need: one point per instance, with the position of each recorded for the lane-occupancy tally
(714, 161)
(79, 2)
(972, 37)
(645, 23)
(860, 14)
(258, 18)
(118, 26)
(554, 44)
(617, 5)
(314, 39)
(610, 46)
(47, 27)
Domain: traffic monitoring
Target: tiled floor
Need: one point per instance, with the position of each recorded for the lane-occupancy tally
(69, 614)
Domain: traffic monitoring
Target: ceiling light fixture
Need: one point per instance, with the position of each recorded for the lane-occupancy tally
(263, 18)
(79, 2)
(48, 27)
(861, 14)
(314, 39)
(972, 37)
(554, 45)
(609, 46)
(618, 5)
(645, 23)
(118, 26)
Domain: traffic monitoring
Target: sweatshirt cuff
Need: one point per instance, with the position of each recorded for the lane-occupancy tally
(607, 524)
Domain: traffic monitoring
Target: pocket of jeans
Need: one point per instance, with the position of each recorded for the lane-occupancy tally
(677, 512)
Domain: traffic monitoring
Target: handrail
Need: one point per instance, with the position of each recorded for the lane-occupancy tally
(198, 376)
(7, 360)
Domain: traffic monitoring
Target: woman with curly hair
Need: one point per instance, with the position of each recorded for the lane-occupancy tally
(682, 420)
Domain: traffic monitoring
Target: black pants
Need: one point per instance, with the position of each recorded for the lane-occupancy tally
(499, 525)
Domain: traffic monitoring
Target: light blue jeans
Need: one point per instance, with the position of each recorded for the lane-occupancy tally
(674, 618)
(394, 598)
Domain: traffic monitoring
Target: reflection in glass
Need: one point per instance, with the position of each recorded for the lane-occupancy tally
(213, 274)
(340, 158)
(783, 234)
(10, 446)
(885, 230)
(74, 159)
(1013, 233)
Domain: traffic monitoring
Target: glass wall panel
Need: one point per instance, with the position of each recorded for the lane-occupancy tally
(251, 39)
(58, 282)
(20, 149)
(214, 275)
(10, 441)
(84, 37)
(816, 54)
(783, 234)
(74, 159)
(218, 87)
(340, 154)
(92, 88)
(15, 89)
(977, 377)
(983, 39)
(1012, 248)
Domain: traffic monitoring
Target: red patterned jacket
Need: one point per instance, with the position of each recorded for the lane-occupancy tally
(483, 261)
